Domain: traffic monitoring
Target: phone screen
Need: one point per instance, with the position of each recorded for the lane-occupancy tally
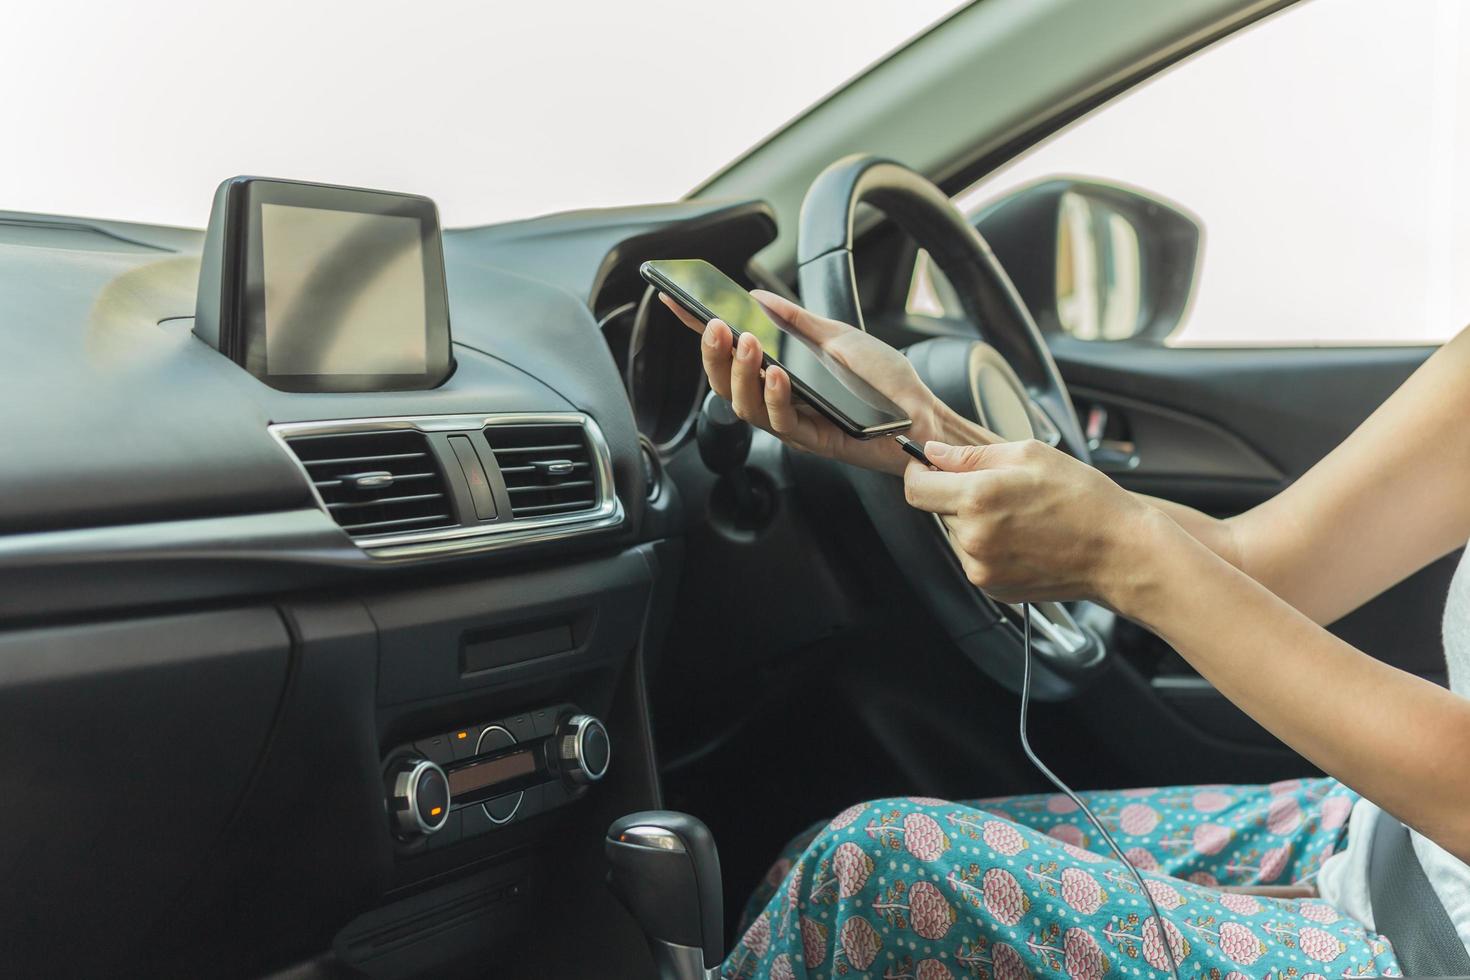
(846, 399)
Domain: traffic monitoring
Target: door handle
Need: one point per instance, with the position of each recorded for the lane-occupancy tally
(1108, 455)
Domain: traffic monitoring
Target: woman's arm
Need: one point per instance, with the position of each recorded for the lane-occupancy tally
(1034, 524)
(1212, 532)
(1388, 734)
(1388, 501)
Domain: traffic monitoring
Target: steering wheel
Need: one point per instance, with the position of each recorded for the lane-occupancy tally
(1004, 379)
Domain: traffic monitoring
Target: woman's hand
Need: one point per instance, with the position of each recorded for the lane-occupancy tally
(1030, 523)
(764, 399)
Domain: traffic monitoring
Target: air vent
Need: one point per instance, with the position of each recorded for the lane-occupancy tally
(547, 468)
(383, 482)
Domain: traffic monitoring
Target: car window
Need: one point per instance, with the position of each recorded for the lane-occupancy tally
(1322, 154)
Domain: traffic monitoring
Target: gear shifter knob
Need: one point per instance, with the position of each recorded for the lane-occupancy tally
(666, 870)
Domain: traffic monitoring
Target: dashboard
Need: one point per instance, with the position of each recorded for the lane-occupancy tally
(291, 674)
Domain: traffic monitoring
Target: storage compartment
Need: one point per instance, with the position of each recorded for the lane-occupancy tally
(125, 747)
(509, 630)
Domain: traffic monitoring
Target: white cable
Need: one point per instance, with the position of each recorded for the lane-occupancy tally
(1041, 766)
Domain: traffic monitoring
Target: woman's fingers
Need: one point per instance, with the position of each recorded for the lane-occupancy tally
(779, 409)
(688, 319)
(747, 393)
(945, 493)
(961, 459)
(714, 351)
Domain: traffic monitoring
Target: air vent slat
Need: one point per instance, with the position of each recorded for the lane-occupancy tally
(547, 468)
(381, 501)
(527, 510)
(355, 460)
(569, 485)
(565, 447)
(431, 520)
(377, 482)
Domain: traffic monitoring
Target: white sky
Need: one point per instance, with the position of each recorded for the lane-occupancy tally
(497, 110)
(1326, 152)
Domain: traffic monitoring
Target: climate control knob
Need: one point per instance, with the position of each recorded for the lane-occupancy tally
(418, 797)
(582, 748)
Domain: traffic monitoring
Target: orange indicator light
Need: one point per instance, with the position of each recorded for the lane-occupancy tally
(436, 811)
(461, 734)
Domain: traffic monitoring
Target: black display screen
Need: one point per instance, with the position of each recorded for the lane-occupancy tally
(482, 774)
(344, 292)
(318, 288)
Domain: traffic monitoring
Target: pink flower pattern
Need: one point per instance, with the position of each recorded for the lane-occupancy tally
(1004, 897)
(1240, 944)
(1084, 958)
(859, 943)
(922, 836)
(1081, 891)
(917, 888)
(1003, 838)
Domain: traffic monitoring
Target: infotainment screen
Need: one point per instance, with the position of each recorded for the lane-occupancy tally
(344, 292)
(326, 288)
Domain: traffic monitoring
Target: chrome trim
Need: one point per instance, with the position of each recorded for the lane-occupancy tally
(480, 741)
(676, 962)
(607, 513)
(520, 797)
(1055, 624)
(570, 751)
(1042, 425)
(645, 835)
(406, 788)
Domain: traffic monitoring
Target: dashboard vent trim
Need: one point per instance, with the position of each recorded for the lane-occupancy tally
(600, 509)
(546, 468)
(378, 482)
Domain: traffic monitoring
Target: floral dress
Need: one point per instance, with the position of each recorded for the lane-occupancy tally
(923, 889)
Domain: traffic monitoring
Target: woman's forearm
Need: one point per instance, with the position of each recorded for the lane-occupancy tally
(1384, 732)
(1213, 533)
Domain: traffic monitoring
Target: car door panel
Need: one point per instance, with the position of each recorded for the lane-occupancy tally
(1223, 430)
(1289, 405)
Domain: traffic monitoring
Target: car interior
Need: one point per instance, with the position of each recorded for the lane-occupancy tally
(313, 671)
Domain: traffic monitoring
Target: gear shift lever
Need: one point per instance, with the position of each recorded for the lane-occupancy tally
(666, 870)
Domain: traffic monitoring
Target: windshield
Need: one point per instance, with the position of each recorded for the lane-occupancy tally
(136, 111)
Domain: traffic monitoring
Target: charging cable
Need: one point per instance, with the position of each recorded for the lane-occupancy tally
(914, 450)
(1164, 939)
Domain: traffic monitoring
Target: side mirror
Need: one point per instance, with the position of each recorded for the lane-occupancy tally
(1093, 260)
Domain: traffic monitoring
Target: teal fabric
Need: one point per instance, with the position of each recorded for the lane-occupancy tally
(924, 889)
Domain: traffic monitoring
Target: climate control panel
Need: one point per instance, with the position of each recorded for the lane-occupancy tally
(460, 784)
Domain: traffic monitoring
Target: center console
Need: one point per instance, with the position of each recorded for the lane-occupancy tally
(453, 786)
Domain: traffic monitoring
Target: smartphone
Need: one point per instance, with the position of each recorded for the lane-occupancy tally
(849, 402)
